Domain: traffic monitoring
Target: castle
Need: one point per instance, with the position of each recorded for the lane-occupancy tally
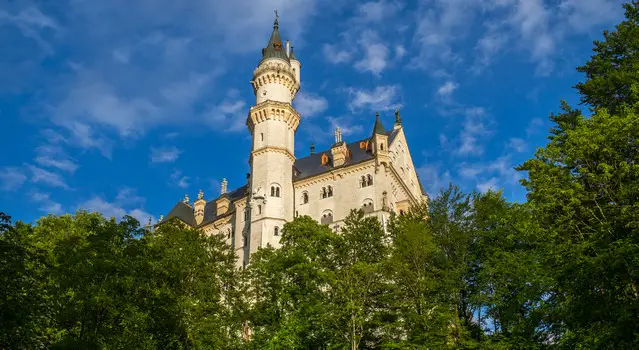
(375, 174)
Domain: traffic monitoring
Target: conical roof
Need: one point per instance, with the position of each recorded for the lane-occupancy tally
(292, 56)
(274, 48)
(378, 128)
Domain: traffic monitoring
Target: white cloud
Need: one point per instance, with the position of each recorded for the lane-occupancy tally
(55, 157)
(308, 104)
(39, 175)
(115, 210)
(46, 204)
(376, 11)
(488, 185)
(335, 55)
(433, 178)
(31, 22)
(375, 58)
(229, 115)
(164, 154)
(11, 178)
(129, 196)
(179, 180)
(400, 51)
(382, 98)
(474, 130)
(534, 126)
(447, 89)
(517, 144)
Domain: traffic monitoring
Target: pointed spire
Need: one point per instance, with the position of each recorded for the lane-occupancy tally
(378, 128)
(274, 48)
(292, 56)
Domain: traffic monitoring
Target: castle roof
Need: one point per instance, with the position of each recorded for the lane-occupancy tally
(186, 213)
(274, 48)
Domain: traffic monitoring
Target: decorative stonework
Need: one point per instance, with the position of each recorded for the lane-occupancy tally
(273, 149)
(275, 72)
(273, 110)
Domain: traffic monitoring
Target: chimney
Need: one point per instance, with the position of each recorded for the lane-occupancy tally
(339, 150)
(288, 48)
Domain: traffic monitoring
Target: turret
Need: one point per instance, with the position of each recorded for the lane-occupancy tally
(275, 78)
(295, 64)
(339, 150)
(379, 141)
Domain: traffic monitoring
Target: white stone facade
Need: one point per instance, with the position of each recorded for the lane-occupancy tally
(380, 179)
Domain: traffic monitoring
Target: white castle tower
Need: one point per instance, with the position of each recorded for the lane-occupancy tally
(272, 122)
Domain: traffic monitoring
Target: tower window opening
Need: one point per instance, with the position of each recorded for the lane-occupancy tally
(369, 180)
(324, 193)
(277, 191)
(259, 209)
(277, 231)
(272, 191)
(330, 191)
(304, 197)
(261, 136)
(363, 182)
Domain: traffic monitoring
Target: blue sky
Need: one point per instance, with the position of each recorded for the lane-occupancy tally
(124, 106)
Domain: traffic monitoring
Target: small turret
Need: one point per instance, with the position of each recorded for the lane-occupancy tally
(379, 141)
(339, 149)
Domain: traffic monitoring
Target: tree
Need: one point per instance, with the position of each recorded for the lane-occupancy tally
(613, 71)
(583, 189)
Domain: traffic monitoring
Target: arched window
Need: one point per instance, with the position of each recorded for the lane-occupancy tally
(330, 191)
(277, 231)
(323, 193)
(381, 146)
(272, 191)
(363, 182)
(369, 180)
(259, 209)
(367, 207)
(277, 191)
(304, 197)
(327, 218)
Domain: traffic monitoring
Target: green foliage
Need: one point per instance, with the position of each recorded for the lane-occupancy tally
(89, 283)
(612, 74)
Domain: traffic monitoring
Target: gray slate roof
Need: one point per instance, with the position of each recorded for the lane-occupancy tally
(306, 167)
(275, 48)
(186, 213)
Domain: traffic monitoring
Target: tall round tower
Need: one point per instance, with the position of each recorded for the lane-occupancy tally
(272, 122)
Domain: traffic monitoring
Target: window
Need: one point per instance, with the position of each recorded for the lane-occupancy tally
(367, 207)
(297, 213)
(381, 146)
(323, 193)
(330, 191)
(366, 180)
(304, 197)
(327, 218)
(262, 136)
(275, 191)
(228, 234)
(272, 191)
(277, 231)
(259, 209)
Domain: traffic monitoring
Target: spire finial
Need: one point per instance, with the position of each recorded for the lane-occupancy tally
(398, 118)
(186, 198)
(312, 147)
(338, 135)
(200, 195)
(277, 22)
(223, 186)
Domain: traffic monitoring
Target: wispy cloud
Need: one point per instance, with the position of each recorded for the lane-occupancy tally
(164, 154)
(447, 89)
(39, 175)
(11, 178)
(55, 157)
(46, 204)
(179, 180)
(381, 98)
(308, 104)
(474, 130)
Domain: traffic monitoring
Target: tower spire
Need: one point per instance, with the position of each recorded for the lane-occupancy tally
(274, 48)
